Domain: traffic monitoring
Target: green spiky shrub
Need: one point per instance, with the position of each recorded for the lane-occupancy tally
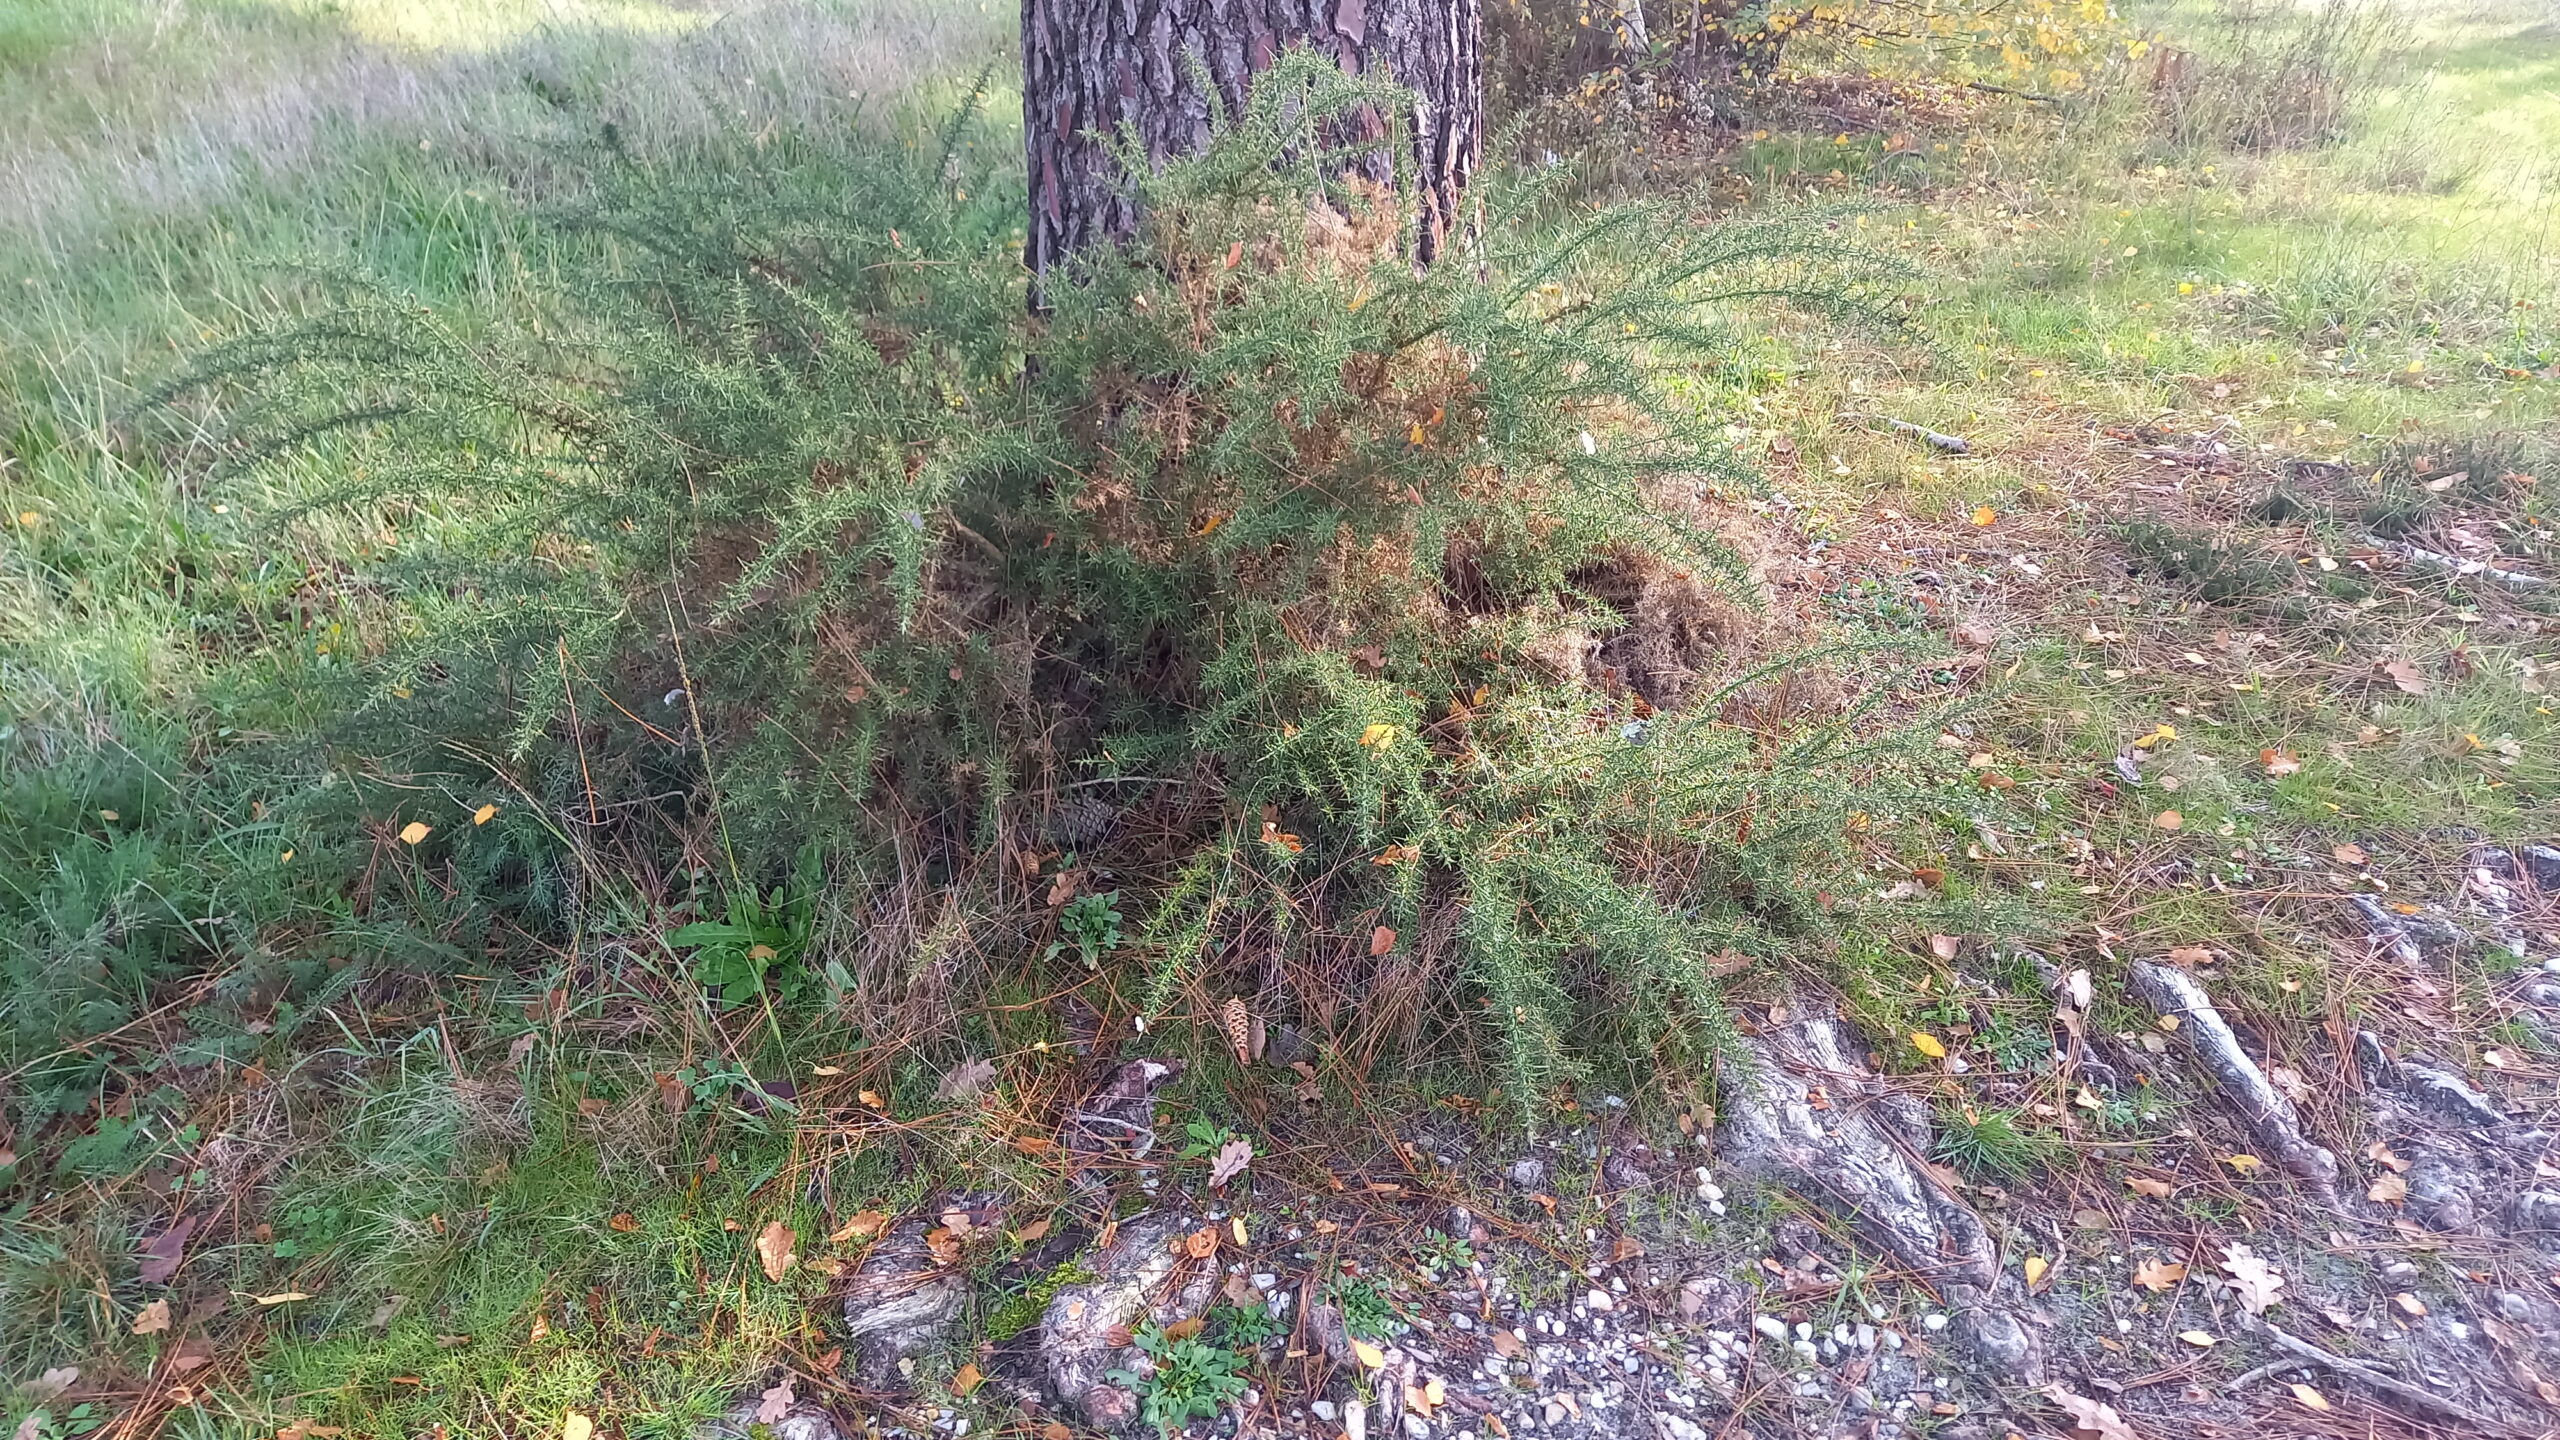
(844, 544)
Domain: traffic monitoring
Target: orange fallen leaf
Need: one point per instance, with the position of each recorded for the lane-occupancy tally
(774, 1249)
(2157, 1275)
(2168, 819)
(623, 1222)
(1381, 940)
(967, 1379)
(2349, 854)
(862, 1226)
(2146, 1185)
(484, 814)
(415, 831)
(1985, 517)
(2188, 957)
(2279, 762)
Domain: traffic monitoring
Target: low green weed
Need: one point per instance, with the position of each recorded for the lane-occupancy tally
(1188, 1379)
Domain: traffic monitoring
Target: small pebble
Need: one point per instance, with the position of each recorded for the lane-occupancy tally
(1770, 1325)
(1933, 1322)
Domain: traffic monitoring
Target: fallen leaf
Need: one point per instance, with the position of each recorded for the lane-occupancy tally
(1369, 1356)
(623, 1223)
(2037, 1268)
(966, 1079)
(484, 814)
(1202, 1243)
(2410, 1305)
(2308, 1398)
(968, 1378)
(2146, 1185)
(2252, 1279)
(1984, 517)
(2197, 1338)
(1508, 1345)
(1381, 940)
(388, 1311)
(775, 1402)
(1943, 946)
(2168, 819)
(577, 1427)
(2387, 1189)
(2380, 1154)
(1056, 1431)
(2280, 762)
(2090, 1419)
(2188, 957)
(2245, 1164)
(2349, 854)
(1928, 1044)
(2405, 676)
(773, 1248)
(1232, 1159)
(2158, 1275)
(1029, 1234)
(153, 1318)
(160, 1258)
(285, 1297)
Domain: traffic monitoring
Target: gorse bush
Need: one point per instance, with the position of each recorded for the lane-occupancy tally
(1348, 614)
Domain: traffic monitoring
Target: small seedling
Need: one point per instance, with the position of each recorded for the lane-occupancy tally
(1190, 1380)
(1090, 926)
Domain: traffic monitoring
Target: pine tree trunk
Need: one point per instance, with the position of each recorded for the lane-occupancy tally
(1090, 66)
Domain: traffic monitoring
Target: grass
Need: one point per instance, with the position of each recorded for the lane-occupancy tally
(348, 1091)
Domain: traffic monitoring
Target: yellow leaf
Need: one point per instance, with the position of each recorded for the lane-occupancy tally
(1378, 737)
(2245, 1164)
(1357, 300)
(1235, 1223)
(577, 1427)
(1211, 524)
(1985, 516)
(2036, 1269)
(1928, 1044)
(153, 1319)
(415, 831)
(284, 1298)
(484, 814)
(2197, 1338)
(1369, 1355)
(2309, 1398)
(967, 1379)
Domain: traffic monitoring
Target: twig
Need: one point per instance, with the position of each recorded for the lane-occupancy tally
(2019, 94)
(2441, 561)
(2397, 1389)
(1952, 444)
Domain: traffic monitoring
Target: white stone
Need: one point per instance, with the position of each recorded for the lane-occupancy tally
(1933, 1322)
(1770, 1325)
(1599, 1300)
(1803, 1331)
(1321, 1409)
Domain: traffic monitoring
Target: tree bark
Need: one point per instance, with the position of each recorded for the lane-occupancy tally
(1090, 66)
